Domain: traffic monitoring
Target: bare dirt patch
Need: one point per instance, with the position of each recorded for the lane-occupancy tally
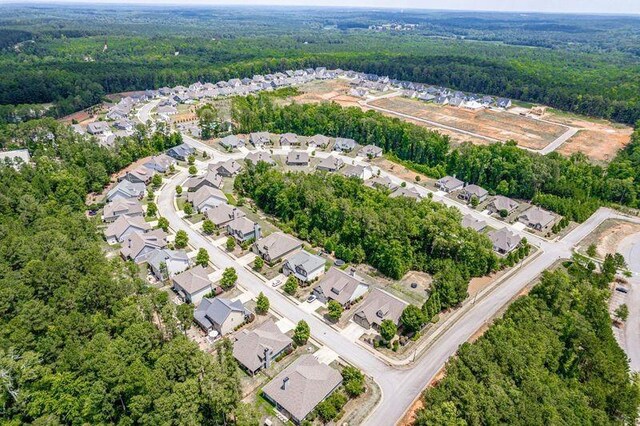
(326, 91)
(598, 141)
(608, 235)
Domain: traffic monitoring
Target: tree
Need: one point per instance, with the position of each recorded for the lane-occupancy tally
(335, 310)
(503, 213)
(262, 304)
(152, 210)
(188, 209)
(291, 285)
(208, 227)
(388, 330)
(156, 180)
(229, 278)
(231, 243)
(193, 170)
(412, 319)
(178, 189)
(301, 333)
(202, 258)
(163, 223)
(474, 201)
(353, 381)
(622, 313)
(258, 263)
(182, 239)
(184, 312)
(208, 121)
(191, 160)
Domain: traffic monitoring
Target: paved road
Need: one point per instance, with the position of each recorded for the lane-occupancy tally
(630, 249)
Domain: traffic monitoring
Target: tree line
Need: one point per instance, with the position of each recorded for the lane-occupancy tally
(571, 186)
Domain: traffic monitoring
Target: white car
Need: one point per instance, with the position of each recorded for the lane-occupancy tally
(276, 283)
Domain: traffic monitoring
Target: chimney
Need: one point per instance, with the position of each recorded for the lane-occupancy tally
(256, 231)
(267, 357)
(285, 383)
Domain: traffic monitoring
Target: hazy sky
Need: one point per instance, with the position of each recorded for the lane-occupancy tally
(575, 6)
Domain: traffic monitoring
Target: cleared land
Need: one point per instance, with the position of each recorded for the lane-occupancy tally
(608, 235)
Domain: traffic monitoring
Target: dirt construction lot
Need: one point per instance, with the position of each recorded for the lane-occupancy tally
(502, 126)
(608, 236)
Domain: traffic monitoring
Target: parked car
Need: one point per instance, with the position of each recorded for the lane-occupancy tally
(622, 290)
(311, 298)
(276, 283)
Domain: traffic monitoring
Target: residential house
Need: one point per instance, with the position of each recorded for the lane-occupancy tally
(15, 157)
(205, 198)
(370, 151)
(220, 315)
(470, 191)
(123, 124)
(426, 97)
(298, 158)
(258, 348)
(503, 103)
(537, 218)
(123, 226)
(181, 152)
(257, 156)
(377, 307)
(275, 246)
(357, 171)
(260, 138)
(305, 266)
(406, 192)
(126, 190)
(138, 247)
(330, 164)
(222, 214)
(341, 286)
(382, 182)
(441, 100)
(193, 284)
(344, 145)
(472, 105)
(289, 139)
(449, 184)
(209, 179)
(300, 387)
(504, 240)
(120, 207)
(468, 221)
(320, 141)
(98, 128)
(500, 203)
(140, 175)
(160, 163)
(232, 142)
(456, 101)
(243, 229)
(165, 263)
(226, 168)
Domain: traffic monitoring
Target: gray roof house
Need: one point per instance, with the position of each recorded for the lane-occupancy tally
(243, 229)
(98, 128)
(298, 158)
(121, 207)
(318, 140)
(180, 152)
(504, 240)
(139, 175)
(377, 307)
(192, 284)
(503, 103)
(301, 386)
(160, 163)
(275, 246)
(126, 190)
(344, 145)
(358, 171)
(222, 214)
(537, 218)
(210, 179)
(231, 142)
(205, 198)
(256, 349)
(449, 184)
(340, 286)
(220, 314)
(256, 157)
(468, 221)
(330, 164)
(226, 168)
(289, 139)
(260, 138)
(175, 261)
(500, 203)
(405, 192)
(138, 247)
(304, 266)
(382, 182)
(472, 190)
(123, 226)
(370, 151)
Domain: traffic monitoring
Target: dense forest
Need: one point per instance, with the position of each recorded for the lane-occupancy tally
(64, 62)
(571, 186)
(552, 359)
(83, 339)
(361, 224)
